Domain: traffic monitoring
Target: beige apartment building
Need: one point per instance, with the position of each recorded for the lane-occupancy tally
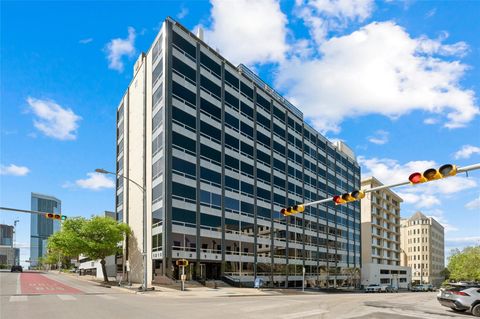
(380, 219)
(424, 247)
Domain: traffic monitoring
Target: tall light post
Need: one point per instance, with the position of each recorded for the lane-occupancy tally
(144, 192)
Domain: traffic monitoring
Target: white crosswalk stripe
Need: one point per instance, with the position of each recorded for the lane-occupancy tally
(18, 298)
(66, 297)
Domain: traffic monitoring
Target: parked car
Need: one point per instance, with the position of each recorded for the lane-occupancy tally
(424, 287)
(392, 289)
(461, 298)
(16, 268)
(376, 288)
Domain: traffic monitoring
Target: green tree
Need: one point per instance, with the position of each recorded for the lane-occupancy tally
(96, 238)
(464, 265)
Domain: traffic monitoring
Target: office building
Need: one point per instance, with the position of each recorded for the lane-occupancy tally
(381, 249)
(9, 255)
(424, 245)
(219, 153)
(40, 227)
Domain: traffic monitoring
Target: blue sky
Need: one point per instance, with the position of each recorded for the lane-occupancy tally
(397, 81)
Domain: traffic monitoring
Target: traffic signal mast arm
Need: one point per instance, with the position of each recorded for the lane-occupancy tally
(30, 212)
(326, 200)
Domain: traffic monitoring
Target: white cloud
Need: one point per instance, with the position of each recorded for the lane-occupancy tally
(248, 31)
(466, 151)
(464, 240)
(474, 204)
(380, 137)
(431, 13)
(430, 121)
(183, 13)
(117, 48)
(95, 181)
(85, 41)
(438, 215)
(379, 69)
(14, 170)
(54, 120)
(427, 195)
(323, 16)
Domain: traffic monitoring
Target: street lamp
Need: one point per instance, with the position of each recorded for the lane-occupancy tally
(144, 192)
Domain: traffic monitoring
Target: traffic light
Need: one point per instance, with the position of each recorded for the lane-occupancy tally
(348, 197)
(432, 174)
(55, 216)
(182, 262)
(295, 209)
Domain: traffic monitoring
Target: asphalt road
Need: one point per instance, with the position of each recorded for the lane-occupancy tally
(52, 296)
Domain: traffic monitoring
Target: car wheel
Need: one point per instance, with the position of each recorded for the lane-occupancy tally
(476, 310)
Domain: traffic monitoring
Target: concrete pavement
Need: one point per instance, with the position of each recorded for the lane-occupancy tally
(95, 301)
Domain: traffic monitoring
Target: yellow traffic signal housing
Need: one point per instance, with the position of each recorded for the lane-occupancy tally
(55, 216)
(348, 197)
(182, 262)
(432, 174)
(295, 209)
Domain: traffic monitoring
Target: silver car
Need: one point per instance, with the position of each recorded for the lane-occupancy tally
(461, 298)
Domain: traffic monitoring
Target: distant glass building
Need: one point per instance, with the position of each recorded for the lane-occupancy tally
(8, 254)
(219, 153)
(40, 227)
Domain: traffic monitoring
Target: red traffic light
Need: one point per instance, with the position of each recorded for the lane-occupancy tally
(338, 200)
(55, 216)
(292, 210)
(432, 174)
(416, 178)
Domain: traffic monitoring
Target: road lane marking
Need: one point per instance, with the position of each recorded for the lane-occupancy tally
(18, 285)
(107, 297)
(304, 314)
(18, 298)
(66, 297)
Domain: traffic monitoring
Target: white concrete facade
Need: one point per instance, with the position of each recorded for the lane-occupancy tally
(381, 237)
(396, 276)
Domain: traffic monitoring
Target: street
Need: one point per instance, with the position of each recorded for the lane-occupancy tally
(51, 295)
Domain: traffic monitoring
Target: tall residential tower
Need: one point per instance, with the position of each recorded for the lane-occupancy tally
(219, 153)
(40, 227)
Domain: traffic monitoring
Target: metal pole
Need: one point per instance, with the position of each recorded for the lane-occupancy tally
(145, 274)
(303, 280)
(183, 278)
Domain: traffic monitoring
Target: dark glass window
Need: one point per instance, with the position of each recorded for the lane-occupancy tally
(279, 199)
(261, 156)
(210, 175)
(246, 109)
(231, 100)
(211, 87)
(184, 69)
(232, 141)
(210, 64)
(183, 191)
(263, 120)
(263, 193)
(247, 168)
(232, 162)
(279, 114)
(157, 120)
(247, 149)
(184, 142)
(232, 182)
(265, 176)
(247, 90)
(278, 147)
(263, 139)
(246, 129)
(183, 166)
(210, 131)
(183, 215)
(184, 117)
(265, 212)
(183, 44)
(232, 121)
(157, 192)
(231, 203)
(183, 93)
(278, 164)
(264, 103)
(247, 208)
(247, 188)
(157, 143)
(210, 220)
(210, 153)
(231, 79)
(210, 109)
(278, 130)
